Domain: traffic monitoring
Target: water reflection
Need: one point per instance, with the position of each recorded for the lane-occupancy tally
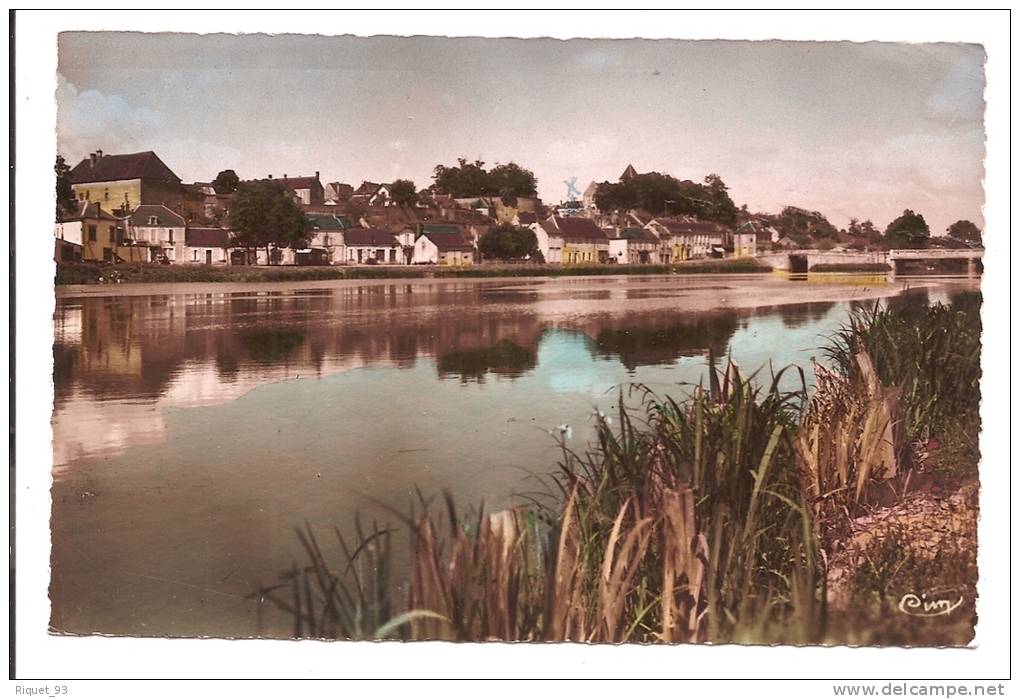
(120, 361)
(165, 519)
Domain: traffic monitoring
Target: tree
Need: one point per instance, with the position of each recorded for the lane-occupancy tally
(471, 179)
(404, 192)
(504, 242)
(226, 182)
(964, 230)
(263, 215)
(511, 181)
(664, 195)
(909, 230)
(796, 221)
(65, 195)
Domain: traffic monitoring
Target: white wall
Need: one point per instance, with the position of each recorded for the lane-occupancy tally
(425, 251)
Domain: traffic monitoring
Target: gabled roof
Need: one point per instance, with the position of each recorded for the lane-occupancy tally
(207, 237)
(578, 229)
(447, 240)
(628, 173)
(369, 237)
(367, 188)
(86, 209)
(164, 216)
(127, 166)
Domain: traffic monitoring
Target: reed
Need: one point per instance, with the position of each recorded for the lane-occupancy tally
(706, 519)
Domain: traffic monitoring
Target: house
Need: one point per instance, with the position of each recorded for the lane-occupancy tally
(100, 235)
(205, 246)
(304, 190)
(550, 241)
(123, 181)
(588, 197)
(745, 240)
(372, 194)
(583, 241)
(443, 245)
(159, 228)
(684, 239)
(634, 246)
(338, 192)
(371, 246)
(325, 233)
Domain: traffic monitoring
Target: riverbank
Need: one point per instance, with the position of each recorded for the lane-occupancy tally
(80, 273)
(862, 267)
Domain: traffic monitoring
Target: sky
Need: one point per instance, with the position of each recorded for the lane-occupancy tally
(861, 130)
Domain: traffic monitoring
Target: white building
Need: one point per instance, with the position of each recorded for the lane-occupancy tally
(372, 246)
(442, 245)
(550, 241)
(161, 228)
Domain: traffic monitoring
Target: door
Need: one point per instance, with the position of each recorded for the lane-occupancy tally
(208, 257)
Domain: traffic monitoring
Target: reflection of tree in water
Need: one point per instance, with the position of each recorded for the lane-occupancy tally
(271, 345)
(796, 315)
(505, 358)
(646, 345)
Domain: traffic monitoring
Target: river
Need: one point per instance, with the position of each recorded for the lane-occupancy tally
(195, 426)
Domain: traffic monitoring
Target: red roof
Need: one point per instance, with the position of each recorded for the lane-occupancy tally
(579, 229)
(207, 237)
(296, 182)
(128, 166)
(448, 241)
(369, 237)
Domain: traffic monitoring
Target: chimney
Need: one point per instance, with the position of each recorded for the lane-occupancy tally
(99, 154)
(316, 174)
(92, 159)
(270, 175)
(285, 175)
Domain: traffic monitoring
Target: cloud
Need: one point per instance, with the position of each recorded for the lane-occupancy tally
(90, 119)
(398, 145)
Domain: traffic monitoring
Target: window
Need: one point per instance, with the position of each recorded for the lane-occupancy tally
(194, 255)
(92, 233)
(153, 220)
(171, 235)
(106, 195)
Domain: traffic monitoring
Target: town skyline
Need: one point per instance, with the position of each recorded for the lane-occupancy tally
(399, 106)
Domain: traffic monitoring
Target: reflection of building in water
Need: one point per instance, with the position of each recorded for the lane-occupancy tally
(135, 355)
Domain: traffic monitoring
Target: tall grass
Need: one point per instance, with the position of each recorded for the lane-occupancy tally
(686, 524)
(705, 519)
(932, 354)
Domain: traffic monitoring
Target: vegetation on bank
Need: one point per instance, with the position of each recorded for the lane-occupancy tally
(91, 273)
(866, 267)
(742, 513)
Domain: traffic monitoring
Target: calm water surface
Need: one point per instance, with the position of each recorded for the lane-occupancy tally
(196, 427)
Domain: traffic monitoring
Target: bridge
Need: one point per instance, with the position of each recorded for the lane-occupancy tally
(804, 260)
